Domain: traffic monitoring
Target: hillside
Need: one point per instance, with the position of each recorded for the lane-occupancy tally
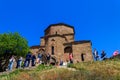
(101, 70)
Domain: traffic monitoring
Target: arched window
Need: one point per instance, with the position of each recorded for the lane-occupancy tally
(82, 57)
(52, 42)
(52, 49)
(68, 49)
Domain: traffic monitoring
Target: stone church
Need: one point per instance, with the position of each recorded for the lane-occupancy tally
(59, 42)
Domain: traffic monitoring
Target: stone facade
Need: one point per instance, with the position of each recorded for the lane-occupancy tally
(59, 41)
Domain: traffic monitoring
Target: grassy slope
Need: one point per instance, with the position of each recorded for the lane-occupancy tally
(106, 70)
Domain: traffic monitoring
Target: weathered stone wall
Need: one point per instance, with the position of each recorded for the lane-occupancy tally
(33, 51)
(58, 46)
(37, 50)
(84, 48)
(69, 38)
(65, 57)
(57, 43)
(42, 42)
(59, 30)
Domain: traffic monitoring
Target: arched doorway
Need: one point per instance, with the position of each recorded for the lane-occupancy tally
(68, 49)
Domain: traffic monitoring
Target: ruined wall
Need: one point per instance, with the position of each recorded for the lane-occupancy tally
(84, 48)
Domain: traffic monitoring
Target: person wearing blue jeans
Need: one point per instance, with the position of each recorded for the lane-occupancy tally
(28, 58)
(39, 57)
(19, 63)
(11, 62)
(33, 60)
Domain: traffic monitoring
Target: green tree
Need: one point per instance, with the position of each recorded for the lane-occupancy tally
(11, 44)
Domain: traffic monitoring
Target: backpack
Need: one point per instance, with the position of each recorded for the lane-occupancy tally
(28, 56)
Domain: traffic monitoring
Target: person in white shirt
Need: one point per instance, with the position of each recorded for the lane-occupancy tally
(11, 62)
(96, 56)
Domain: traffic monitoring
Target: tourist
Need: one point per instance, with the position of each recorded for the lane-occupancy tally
(48, 58)
(33, 59)
(25, 63)
(61, 62)
(28, 58)
(116, 53)
(96, 56)
(71, 57)
(11, 63)
(39, 58)
(103, 54)
(19, 63)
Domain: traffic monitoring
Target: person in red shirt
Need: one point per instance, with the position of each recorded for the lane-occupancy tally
(71, 57)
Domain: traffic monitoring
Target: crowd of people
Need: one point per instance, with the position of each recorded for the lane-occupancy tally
(31, 60)
(21, 62)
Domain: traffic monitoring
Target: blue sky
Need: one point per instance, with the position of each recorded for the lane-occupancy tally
(95, 20)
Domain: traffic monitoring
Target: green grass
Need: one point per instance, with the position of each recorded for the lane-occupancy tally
(100, 70)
